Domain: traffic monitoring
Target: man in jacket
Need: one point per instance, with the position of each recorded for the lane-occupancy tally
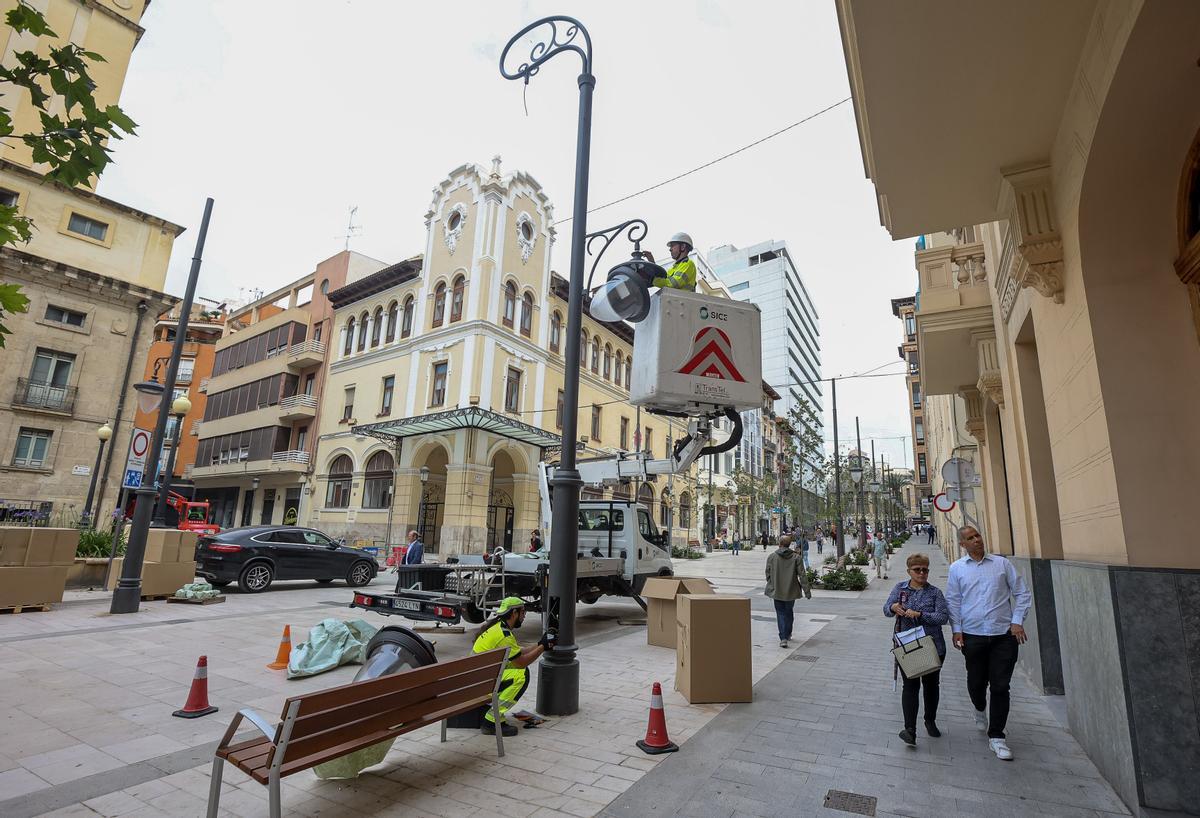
(415, 554)
(787, 581)
(682, 274)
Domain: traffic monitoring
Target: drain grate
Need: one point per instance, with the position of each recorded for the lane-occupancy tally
(800, 657)
(850, 802)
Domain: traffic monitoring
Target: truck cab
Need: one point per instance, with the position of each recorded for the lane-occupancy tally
(624, 530)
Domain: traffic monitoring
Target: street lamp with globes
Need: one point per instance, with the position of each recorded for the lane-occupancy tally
(179, 408)
(104, 433)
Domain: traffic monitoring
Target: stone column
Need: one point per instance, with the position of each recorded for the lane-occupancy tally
(464, 523)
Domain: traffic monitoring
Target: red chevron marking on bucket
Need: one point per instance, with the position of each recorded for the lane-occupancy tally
(712, 357)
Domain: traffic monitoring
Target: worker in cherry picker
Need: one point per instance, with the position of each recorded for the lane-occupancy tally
(682, 274)
(497, 632)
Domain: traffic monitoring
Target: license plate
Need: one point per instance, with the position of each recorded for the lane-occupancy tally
(406, 604)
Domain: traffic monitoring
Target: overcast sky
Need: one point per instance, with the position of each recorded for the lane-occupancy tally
(289, 113)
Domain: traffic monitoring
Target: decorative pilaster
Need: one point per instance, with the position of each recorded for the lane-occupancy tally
(976, 424)
(990, 382)
(1027, 197)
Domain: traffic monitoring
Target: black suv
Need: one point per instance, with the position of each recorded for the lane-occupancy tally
(258, 555)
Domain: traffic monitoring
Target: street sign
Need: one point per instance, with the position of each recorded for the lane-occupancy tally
(81, 471)
(139, 445)
(957, 471)
(133, 479)
(960, 494)
(943, 503)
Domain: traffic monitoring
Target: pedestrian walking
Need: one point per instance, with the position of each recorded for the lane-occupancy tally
(787, 581)
(415, 554)
(735, 542)
(932, 534)
(988, 601)
(804, 551)
(820, 541)
(917, 603)
(535, 541)
(879, 548)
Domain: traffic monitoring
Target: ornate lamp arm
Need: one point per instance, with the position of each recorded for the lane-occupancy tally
(636, 233)
(560, 34)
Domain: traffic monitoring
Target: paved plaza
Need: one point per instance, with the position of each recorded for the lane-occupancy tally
(86, 698)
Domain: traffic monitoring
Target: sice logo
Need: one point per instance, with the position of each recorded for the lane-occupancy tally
(705, 313)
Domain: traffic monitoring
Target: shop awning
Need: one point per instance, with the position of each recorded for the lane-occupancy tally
(472, 417)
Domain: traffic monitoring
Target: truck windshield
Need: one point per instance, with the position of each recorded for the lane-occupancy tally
(196, 515)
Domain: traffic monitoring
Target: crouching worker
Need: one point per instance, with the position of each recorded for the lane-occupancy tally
(498, 632)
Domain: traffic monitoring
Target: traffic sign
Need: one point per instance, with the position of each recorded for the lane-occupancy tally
(958, 471)
(133, 479)
(943, 503)
(960, 494)
(139, 445)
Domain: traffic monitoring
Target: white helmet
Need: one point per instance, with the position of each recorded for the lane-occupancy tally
(681, 237)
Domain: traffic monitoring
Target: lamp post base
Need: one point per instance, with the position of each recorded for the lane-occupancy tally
(558, 687)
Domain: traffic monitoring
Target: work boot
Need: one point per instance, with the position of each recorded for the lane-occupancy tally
(489, 729)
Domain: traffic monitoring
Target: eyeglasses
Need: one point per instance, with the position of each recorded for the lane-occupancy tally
(920, 570)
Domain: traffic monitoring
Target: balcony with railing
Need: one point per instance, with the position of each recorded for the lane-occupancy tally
(298, 407)
(305, 354)
(955, 304)
(44, 396)
(290, 461)
(291, 456)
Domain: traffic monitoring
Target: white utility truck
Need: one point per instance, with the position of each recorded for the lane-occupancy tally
(696, 357)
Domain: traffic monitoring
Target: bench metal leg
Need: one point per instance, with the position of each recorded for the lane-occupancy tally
(443, 731)
(273, 786)
(214, 789)
(499, 722)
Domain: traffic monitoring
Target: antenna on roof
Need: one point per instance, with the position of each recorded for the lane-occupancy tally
(352, 230)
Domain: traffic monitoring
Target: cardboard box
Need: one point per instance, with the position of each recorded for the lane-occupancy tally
(660, 594)
(162, 545)
(187, 545)
(712, 659)
(14, 545)
(158, 578)
(37, 585)
(52, 546)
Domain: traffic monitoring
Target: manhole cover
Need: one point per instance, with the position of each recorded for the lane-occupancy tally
(850, 802)
(800, 657)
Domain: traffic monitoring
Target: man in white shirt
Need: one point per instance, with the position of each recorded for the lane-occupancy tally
(988, 601)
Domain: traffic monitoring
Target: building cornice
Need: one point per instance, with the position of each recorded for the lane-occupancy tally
(42, 271)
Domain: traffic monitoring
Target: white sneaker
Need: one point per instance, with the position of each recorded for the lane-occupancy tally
(1000, 748)
(981, 721)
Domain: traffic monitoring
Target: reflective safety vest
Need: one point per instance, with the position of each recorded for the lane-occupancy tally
(497, 636)
(680, 276)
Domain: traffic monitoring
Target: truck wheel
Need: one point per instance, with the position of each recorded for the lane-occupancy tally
(255, 578)
(590, 599)
(471, 613)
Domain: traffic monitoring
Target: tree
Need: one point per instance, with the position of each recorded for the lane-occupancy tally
(70, 143)
(804, 455)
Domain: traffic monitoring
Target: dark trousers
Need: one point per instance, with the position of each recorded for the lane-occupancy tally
(990, 661)
(908, 697)
(785, 616)
(737, 547)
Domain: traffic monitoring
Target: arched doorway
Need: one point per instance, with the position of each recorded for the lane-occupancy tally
(500, 513)
(431, 502)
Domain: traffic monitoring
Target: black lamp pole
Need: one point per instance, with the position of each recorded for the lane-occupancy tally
(104, 433)
(128, 593)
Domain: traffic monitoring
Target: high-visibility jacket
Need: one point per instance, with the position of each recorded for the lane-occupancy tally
(680, 276)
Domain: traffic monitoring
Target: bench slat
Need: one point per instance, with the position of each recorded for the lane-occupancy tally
(357, 691)
(393, 719)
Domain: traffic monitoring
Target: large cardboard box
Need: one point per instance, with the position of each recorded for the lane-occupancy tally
(14, 545)
(158, 578)
(660, 594)
(32, 585)
(52, 546)
(162, 545)
(712, 659)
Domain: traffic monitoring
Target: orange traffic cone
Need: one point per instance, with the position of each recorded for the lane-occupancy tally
(656, 740)
(197, 701)
(285, 650)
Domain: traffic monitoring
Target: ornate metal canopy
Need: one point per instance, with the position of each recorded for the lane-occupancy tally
(472, 417)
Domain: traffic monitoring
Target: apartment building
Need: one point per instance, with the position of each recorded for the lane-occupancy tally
(1066, 317)
(905, 309)
(93, 271)
(257, 436)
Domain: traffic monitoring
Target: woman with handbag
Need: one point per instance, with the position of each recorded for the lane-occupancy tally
(914, 602)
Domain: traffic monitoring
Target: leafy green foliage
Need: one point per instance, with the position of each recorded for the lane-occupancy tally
(71, 141)
(847, 579)
(688, 553)
(98, 543)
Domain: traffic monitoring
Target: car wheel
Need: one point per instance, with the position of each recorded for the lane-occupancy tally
(325, 581)
(220, 583)
(256, 577)
(471, 612)
(360, 574)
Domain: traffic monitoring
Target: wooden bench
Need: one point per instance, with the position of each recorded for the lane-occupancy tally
(327, 724)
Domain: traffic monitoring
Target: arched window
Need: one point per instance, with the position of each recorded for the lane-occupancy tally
(628, 372)
(685, 511)
(664, 514)
(527, 315)
(439, 305)
(583, 348)
(391, 321)
(596, 355)
(348, 346)
(337, 495)
(645, 497)
(407, 324)
(555, 331)
(363, 321)
(377, 482)
(607, 361)
(510, 304)
(618, 378)
(377, 327)
(456, 298)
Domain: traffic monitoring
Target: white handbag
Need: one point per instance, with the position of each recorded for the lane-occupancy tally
(917, 657)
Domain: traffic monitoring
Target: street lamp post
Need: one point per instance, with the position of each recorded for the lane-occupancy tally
(424, 473)
(103, 433)
(128, 594)
(179, 408)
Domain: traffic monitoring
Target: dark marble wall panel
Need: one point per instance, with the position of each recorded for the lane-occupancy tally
(1092, 673)
(1161, 684)
(1041, 659)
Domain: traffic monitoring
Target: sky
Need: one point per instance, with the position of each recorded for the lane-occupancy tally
(290, 112)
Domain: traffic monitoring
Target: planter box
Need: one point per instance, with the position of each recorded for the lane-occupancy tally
(38, 546)
(158, 578)
(14, 545)
(170, 545)
(87, 573)
(32, 585)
